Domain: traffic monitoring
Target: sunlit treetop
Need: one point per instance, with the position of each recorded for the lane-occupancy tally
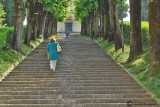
(2, 15)
(84, 7)
(58, 8)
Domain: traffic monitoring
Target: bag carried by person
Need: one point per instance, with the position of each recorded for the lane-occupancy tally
(59, 48)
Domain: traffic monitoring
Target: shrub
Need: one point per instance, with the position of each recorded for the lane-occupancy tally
(6, 36)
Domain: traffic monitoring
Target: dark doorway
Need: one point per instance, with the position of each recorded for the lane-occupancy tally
(69, 26)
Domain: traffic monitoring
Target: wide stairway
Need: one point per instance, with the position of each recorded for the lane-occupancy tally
(85, 77)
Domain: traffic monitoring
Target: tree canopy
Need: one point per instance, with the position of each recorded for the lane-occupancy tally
(84, 7)
(58, 8)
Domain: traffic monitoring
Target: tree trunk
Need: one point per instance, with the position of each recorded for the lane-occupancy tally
(18, 25)
(35, 28)
(135, 35)
(84, 26)
(117, 30)
(46, 26)
(105, 10)
(100, 2)
(50, 21)
(88, 26)
(30, 19)
(42, 21)
(54, 27)
(92, 26)
(96, 24)
(38, 9)
(154, 32)
(109, 33)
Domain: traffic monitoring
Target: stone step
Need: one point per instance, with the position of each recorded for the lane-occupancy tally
(69, 73)
(74, 105)
(72, 74)
(68, 77)
(72, 78)
(69, 67)
(69, 88)
(72, 96)
(64, 84)
(49, 75)
(67, 70)
(77, 101)
(70, 81)
(45, 92)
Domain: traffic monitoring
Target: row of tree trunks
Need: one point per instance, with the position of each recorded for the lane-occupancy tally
(54, 27)
(18, 24)
(40, 23)
(96, 24)
(30, 19)
(109, 21)
(117, 30)
(91, 26)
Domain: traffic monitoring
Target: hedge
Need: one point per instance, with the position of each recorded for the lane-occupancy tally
(6, 36)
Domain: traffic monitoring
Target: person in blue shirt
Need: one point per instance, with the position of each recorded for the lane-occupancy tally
(52, 52)
(67, 33)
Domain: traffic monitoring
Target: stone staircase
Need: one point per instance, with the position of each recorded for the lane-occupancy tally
(85, 77)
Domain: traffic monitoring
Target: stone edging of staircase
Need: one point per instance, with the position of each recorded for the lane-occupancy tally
(16, 64)
(152, 95)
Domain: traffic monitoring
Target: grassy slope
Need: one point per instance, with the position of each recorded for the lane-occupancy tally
(9, 57)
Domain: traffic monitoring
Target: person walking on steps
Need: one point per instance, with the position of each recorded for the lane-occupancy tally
(52, 52)
(67, 33)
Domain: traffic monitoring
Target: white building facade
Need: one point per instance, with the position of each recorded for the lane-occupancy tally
(69, 23)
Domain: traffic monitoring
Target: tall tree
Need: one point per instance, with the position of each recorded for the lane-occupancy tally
(84, 11)
(135, 34)
(59, 11)
(109, 21)
(30, 19)
(154, 32)
(117, 30)
(18, 24)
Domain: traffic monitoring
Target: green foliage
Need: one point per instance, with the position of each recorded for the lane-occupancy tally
(2, 15)
(8, 6)
(85, 37)
(145, 33)
(6, 36)
(59, 8)
(84, 7)
(125, 9)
